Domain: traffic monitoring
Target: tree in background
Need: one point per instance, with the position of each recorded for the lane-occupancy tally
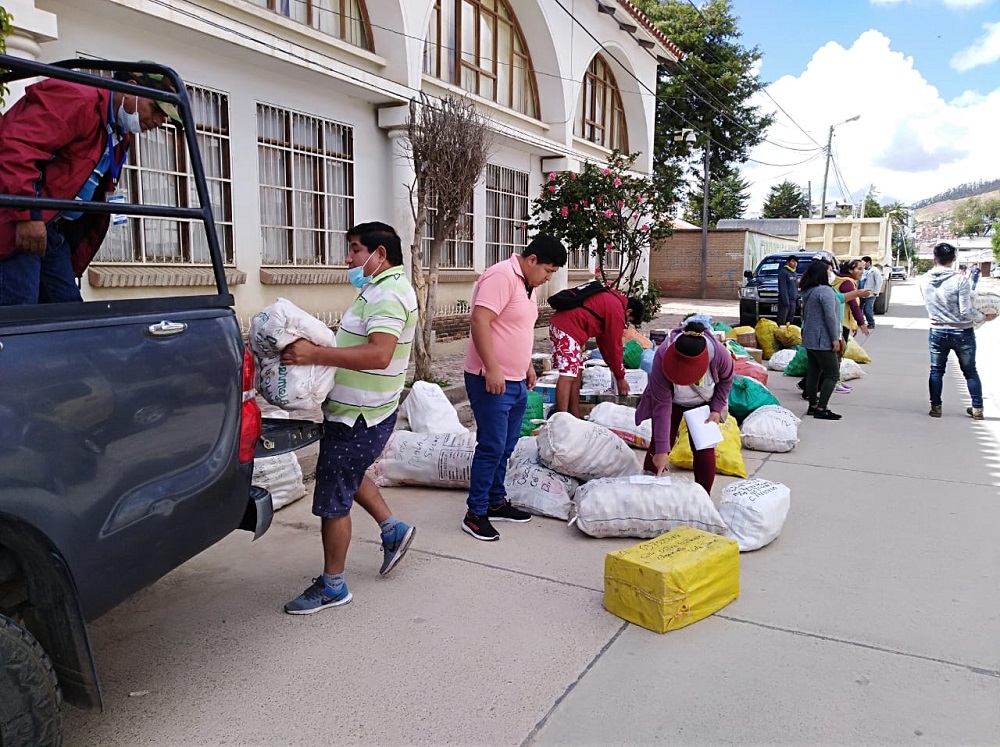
(709, 91)
(975, 216)
(449, 144)
(5, 19)
(786, 200)
(602, 208)
(727, 198)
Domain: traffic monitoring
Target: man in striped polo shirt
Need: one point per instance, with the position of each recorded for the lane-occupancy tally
(372, 354)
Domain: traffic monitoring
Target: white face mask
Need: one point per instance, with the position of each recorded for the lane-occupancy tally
(831, 277)
(127, 121)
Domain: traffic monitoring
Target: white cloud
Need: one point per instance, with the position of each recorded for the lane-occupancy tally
(909, 142)
(985, 50)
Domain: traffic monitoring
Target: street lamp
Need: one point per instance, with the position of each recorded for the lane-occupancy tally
(829, 152)
(688, 136)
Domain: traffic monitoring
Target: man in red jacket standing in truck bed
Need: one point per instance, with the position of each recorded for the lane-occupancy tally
(603, 315)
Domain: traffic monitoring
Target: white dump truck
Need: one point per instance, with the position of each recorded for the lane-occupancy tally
(853, 238)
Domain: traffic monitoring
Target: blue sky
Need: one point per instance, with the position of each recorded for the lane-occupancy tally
(923, 74)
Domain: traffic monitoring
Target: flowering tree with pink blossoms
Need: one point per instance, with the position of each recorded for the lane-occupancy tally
(604, 208)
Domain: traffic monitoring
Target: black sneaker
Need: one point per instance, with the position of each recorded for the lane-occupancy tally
(826, 415)
(506, 512)
(479, 527)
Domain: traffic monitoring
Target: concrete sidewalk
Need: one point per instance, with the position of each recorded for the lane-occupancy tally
(874, 618)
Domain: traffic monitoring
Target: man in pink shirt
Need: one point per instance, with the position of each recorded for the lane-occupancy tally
(498, 374)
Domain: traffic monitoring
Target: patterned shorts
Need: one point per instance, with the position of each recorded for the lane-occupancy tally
(345, 452)
(567, 354)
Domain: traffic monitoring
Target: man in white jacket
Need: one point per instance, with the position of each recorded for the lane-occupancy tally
(948, 298)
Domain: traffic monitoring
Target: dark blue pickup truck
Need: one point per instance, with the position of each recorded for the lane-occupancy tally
(759, 294)
(128, 431)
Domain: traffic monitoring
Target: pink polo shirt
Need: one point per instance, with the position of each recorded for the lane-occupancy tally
(501, 290)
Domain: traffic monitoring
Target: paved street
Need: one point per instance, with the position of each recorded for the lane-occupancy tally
(874, 618)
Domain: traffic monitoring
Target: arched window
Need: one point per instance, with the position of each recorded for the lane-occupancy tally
(601, 117)
(478, 45)
(344, 19)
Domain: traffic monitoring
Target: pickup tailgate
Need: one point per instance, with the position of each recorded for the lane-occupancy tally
(120, 435)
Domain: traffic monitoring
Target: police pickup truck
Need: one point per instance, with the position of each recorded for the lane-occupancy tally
(129, 431)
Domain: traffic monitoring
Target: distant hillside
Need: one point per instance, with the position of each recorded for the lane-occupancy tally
(961, 192)
(928, 212)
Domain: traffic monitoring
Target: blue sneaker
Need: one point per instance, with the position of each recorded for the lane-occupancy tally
(318, 597)
(395, 544)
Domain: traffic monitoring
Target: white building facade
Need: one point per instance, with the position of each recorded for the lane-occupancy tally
(301, 108)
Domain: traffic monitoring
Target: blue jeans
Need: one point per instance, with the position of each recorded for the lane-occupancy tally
(29, 279)
(963, 342)
(868, 309)
(498, 426)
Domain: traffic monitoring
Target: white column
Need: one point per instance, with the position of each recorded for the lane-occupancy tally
(402, 175)
(30, 28)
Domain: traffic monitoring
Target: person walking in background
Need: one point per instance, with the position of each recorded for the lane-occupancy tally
(821, 337)
(65, 141)
(948, 298)
(498, 374)
(690, 369)
(604, 316)
(372, 354)
(871, 279)
(788, 291)
(974, 274)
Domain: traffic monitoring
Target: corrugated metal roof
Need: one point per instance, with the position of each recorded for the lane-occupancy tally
(775, 226)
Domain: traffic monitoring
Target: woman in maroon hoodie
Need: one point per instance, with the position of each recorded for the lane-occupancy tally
(690, 369)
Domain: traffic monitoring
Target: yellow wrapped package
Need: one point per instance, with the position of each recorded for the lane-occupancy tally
(765, 337)
(674, 580)
(856, 353)
(737, 331)
(631, 333)
(788, 335)
(728, 457)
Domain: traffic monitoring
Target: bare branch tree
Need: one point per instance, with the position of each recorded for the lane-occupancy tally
(449, 143)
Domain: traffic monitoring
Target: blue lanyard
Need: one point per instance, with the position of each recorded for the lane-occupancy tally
(115, 169)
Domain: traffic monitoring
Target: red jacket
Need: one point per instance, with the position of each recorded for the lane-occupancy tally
(606, 323)
(50, 142)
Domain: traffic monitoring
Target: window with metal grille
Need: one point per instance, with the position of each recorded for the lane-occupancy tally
(305, 168)
(577, 259)
(478, 45)
(506, 212)
(344, 19)
(456, 254)
(158, 172)
(601, 117)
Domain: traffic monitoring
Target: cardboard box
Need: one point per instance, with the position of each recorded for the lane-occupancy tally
(673, 580)
(756, 353)
(747, 339)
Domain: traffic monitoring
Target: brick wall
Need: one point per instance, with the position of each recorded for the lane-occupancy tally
(676, 264)
(456, 327)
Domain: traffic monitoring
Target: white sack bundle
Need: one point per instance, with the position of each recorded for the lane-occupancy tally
(637, 380)
(428, 410)
(535, 488)
(755, 511)
(644, 506)
(620, 420)
(437, 460)
(780, 360)
(281, 475)
(850, 370)
(584, 450)
(988, 303)
(597, 377)
(770, 428)
(273, 329)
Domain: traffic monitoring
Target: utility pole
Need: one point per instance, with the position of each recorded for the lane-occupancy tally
(829, 153)
(704, 221)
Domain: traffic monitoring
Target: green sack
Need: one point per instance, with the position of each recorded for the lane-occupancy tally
(747, 395)
(632, 354)
(534, 411)
(736, 349)
(721, 327)
(798, 365)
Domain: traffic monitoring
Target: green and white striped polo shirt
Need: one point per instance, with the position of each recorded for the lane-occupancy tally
(387, 304)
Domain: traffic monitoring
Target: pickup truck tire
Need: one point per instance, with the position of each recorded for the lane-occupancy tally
(30, 700)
